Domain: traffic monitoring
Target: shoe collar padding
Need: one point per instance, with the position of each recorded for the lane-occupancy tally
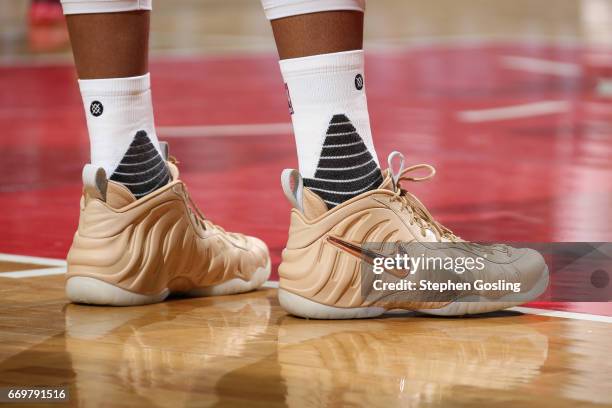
(115, 195)
(309, 203)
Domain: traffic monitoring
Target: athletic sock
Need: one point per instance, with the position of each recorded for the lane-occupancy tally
(122, 132)
(327, 101)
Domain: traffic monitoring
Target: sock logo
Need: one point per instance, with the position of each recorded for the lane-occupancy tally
(96, 108)
(289, 99)
(359, 82)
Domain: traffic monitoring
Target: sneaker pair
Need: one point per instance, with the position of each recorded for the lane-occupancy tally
(130, 251)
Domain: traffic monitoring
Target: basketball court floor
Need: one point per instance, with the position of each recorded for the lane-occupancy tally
(508, 100)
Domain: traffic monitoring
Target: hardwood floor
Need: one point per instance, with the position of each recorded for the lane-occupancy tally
(244, 349)
(501, 96)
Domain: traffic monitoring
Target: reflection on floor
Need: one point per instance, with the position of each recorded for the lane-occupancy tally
(243, 349)
(507, 99)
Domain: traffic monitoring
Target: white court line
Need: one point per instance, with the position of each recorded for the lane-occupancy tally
(36, 260)
(526, 110)
(259, 129)
(541, 66)
(563, 314)
(526, 310)
(30, 273)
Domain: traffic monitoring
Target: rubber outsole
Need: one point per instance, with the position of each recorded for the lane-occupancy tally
(306, 308)
(302, 307)
(92, 291)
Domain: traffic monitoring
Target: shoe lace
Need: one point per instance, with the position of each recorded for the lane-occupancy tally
(195, 212)
(197, 215)
(419, 214)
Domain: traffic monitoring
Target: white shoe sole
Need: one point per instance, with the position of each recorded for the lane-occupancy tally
(302, 307)
(80, 289)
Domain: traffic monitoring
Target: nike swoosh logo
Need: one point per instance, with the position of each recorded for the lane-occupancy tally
(364, 254)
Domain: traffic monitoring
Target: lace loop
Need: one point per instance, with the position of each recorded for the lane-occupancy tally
(417, 211)
(404, 174)
(395, 175)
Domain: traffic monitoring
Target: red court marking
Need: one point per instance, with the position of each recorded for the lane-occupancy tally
(545, 178)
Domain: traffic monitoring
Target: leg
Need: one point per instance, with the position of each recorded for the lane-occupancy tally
(320, 46)
(140, 236)
(110, 46)
(318, 33)
(345, 203)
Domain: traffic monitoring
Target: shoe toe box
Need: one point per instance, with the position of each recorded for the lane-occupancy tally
(259, 248)
(531, 266)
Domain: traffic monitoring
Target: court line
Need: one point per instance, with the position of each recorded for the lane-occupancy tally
(30, 273)
(526, 310)
(525, 110)
(257, 129)
(563, 314)
(36, 260)
(541, 66)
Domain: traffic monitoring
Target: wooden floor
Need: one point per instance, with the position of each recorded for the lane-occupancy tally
(244, 349)
(502, 97)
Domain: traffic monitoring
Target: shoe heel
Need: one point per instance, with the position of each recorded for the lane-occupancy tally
(112, 271)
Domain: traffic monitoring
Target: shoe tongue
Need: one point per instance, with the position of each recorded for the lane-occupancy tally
(312, 204)
(174, 171)
(387, 183)
(118, 196)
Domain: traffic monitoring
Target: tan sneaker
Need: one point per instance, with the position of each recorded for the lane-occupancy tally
(322, 274)
(134, 252)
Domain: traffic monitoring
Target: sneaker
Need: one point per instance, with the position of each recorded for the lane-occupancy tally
(130, 251)
(322, 274)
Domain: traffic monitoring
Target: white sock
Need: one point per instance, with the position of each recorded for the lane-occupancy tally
(122, 132)
(116, 108)
(331, 124)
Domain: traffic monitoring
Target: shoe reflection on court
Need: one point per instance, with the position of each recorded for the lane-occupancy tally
(233, 350)
(167, 356)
